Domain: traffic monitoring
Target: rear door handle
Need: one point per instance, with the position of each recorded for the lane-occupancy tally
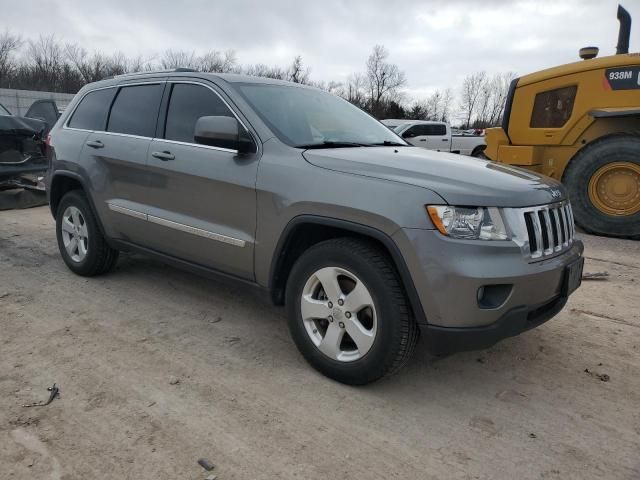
(164, 156)
(445, 139)
(95, 144)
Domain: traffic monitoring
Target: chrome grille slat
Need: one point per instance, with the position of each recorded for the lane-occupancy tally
(537, 228)
(549, 231)
(565, 225)
(549, 226)
(558, 238)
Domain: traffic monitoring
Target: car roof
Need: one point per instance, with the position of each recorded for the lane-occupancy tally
(227, 77)
(405, 120)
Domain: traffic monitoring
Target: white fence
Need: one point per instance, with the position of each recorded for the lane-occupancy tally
(19, 101)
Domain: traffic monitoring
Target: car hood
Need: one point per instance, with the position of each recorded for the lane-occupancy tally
(458, 179)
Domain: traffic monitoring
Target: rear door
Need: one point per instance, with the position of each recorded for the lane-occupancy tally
(115, 158)
(437, 137)
(203, 199)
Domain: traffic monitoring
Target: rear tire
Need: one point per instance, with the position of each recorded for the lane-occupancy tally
(80, 240)
(384, 330)
(603, 181)
(478, 152)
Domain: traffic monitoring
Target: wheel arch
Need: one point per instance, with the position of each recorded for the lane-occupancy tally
(478, 149)
(593, 144)
(63, 182)
(305, 231)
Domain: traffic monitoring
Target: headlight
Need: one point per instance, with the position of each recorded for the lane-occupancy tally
(469, 223)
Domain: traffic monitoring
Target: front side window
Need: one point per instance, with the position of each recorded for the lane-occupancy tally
(310, 118)
(4, 112)
(189, 102)
(92, 111)
(552, 109)
(415, 131)
(135, 110)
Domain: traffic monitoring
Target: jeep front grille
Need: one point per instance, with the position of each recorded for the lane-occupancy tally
(550, 228)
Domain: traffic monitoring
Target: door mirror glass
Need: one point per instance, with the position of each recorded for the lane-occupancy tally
(223, 132)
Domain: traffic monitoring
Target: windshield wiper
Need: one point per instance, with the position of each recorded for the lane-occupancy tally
(330, 144)
(388, 143)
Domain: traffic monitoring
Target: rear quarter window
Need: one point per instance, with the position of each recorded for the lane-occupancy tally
(92, 111)
(135, 110)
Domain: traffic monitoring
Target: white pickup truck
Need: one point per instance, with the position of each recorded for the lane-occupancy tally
(437, 136)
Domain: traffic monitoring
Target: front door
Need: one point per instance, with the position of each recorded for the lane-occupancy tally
(203, 199)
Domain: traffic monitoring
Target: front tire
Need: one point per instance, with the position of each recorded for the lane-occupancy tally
(603, 180)
(348, 313)
(81, 243)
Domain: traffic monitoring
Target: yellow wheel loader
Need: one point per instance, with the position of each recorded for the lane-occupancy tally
(580, 123)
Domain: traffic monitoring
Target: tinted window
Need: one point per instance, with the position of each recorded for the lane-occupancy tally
(135, 110)
(91, 114)
(436, 129)
(553, 108)
(4, 112)
(189, 102)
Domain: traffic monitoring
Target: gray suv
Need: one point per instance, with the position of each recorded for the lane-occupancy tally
(293, 191)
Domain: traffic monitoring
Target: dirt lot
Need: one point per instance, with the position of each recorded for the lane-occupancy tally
(158, 368)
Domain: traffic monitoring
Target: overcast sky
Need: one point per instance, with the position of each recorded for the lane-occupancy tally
(435, 42)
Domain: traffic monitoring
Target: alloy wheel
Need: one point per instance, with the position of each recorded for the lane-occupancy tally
(75, 235)
(339, 314)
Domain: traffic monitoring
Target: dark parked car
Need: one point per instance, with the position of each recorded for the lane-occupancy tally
(23, 161)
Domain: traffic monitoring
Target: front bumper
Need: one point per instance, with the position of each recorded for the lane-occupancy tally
(444, 340)
(449, 274)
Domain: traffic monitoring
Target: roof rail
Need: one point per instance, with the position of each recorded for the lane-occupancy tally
(169, 70)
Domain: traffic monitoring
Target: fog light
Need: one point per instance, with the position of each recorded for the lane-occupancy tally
(493, 296)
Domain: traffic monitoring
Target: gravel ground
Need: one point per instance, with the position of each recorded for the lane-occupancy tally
(158, 368)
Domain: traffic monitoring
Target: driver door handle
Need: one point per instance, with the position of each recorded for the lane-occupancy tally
(95, 144)
(423, 139)
(164, 156)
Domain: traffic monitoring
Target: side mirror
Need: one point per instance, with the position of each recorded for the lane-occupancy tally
(224, 132)
(408, 134)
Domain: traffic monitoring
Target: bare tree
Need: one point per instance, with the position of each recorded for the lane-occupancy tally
(355, 90)
(447, 101)
(179, 58)
(9, 44)
(297, 72)
(219, 62)
(384, 79)
(46, 58)
(262, 70)
(500, 88)
(472, 86)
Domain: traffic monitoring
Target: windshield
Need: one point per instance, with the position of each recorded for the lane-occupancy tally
(309, 118)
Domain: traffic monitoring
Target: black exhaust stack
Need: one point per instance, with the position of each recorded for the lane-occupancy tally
(625, 31)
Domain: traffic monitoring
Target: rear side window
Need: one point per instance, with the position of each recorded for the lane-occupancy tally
(553, 108)
(435, 130)
(189, 102)
(91, 114)
(425, 129)
(135, 110)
